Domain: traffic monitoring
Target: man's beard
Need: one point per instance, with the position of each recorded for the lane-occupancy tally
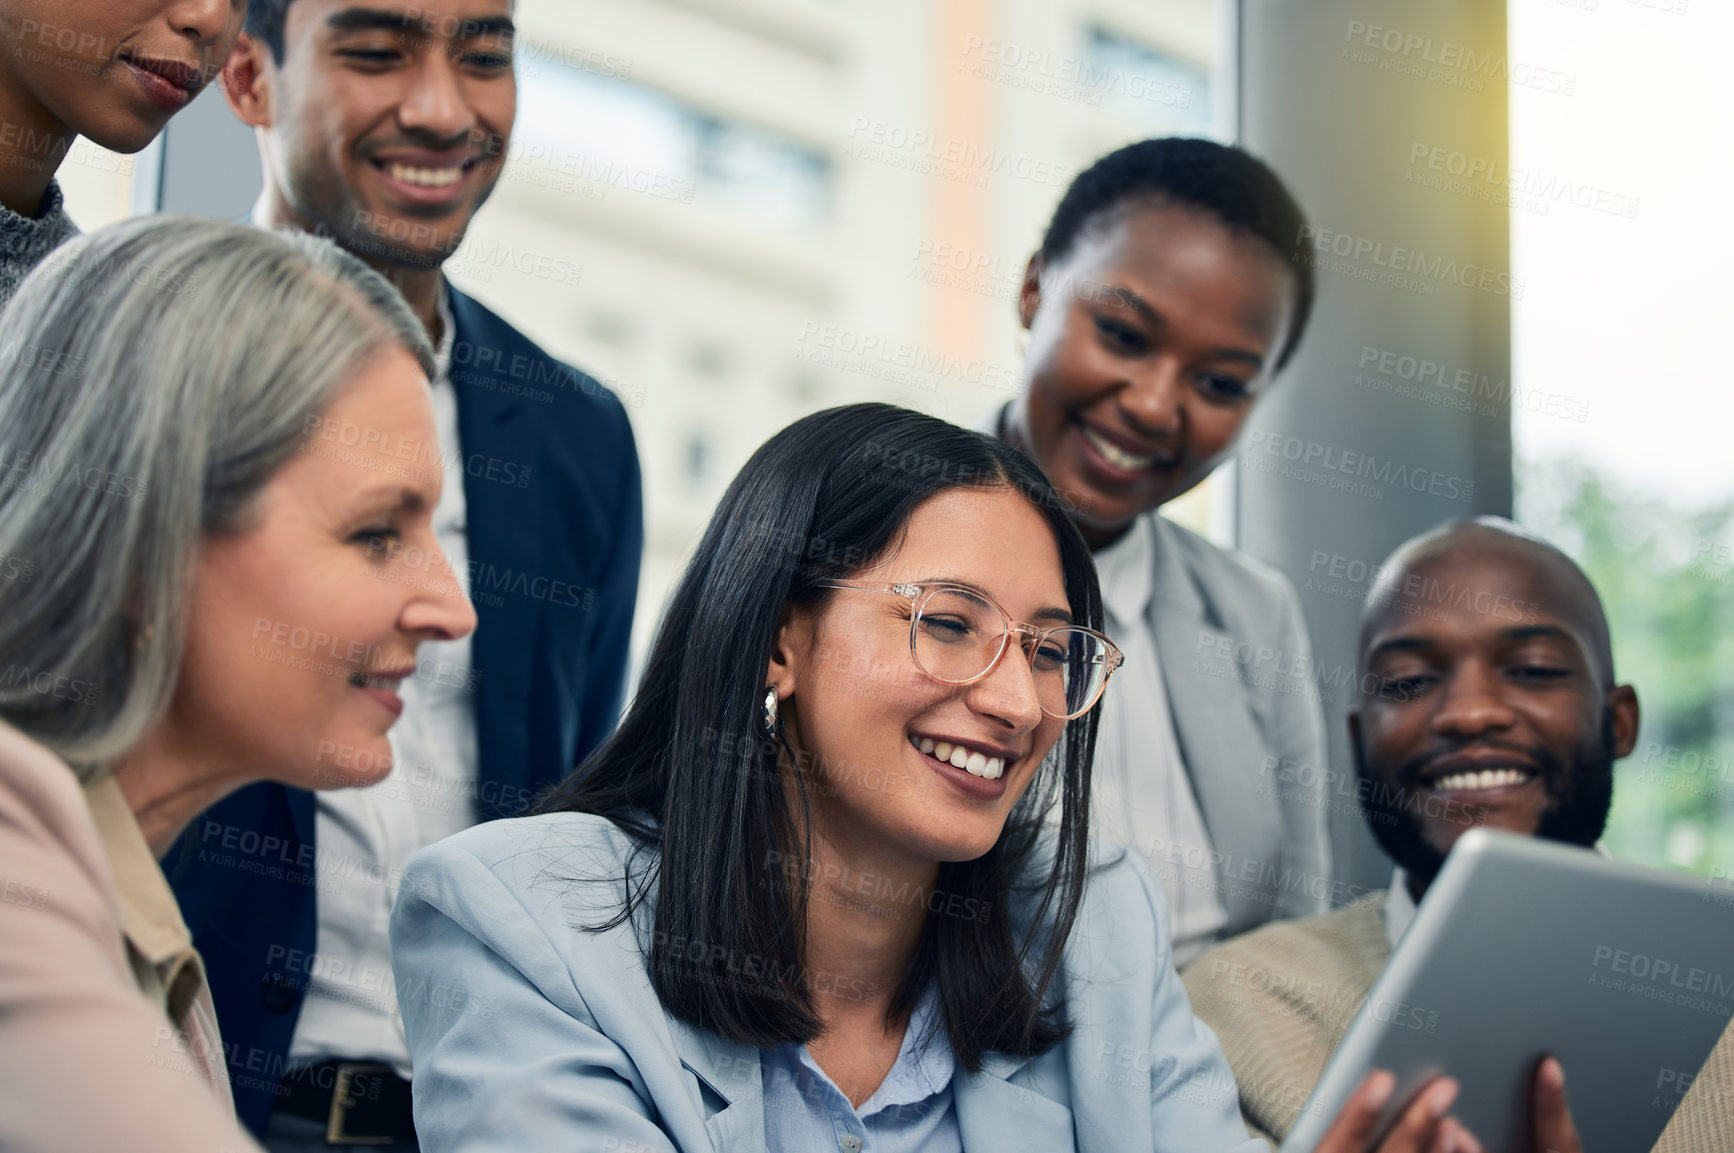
(353, 231)
(330, 208)
(1580, 794)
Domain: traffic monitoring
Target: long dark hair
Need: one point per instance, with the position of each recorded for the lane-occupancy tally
(688, 775)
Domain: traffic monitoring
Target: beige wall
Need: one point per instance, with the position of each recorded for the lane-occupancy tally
(712, 327)
(717, 329)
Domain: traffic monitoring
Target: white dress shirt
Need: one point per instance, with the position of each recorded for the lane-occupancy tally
(1399, 908)
(1142, 796)
(367, 836)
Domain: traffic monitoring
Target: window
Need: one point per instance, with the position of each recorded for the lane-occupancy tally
(1163, 95)
(1619, 415)
(602, 132)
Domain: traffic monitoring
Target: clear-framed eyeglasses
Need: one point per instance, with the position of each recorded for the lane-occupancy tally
(957, 636)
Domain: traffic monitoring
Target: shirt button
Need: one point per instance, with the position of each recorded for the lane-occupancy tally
(850, 1143)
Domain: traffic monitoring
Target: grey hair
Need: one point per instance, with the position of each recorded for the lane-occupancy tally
(153, 377)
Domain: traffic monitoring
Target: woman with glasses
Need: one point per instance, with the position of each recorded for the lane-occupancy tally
(805, 898)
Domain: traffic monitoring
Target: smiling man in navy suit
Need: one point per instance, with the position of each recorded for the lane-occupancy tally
(384, 124)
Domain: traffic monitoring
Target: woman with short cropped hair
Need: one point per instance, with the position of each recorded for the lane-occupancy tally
(112, 71)
(1172, 285)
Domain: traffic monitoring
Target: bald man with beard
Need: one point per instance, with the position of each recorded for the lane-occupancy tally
(1489, 698)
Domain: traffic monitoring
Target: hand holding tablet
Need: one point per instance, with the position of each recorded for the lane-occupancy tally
(1521, 949)
(1426, 1127)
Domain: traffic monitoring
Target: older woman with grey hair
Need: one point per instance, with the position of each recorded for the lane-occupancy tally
(218, 467)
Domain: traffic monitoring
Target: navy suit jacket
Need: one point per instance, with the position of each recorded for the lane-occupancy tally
(555, 532)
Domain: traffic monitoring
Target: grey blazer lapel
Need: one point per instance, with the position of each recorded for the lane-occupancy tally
(1220, 741)
(731, 1073)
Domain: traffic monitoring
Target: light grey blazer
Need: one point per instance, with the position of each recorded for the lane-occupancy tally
(1246, 724)
(529, 1032)
(1247, 713)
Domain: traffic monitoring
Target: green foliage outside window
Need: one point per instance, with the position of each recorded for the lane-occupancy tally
(1665, 572)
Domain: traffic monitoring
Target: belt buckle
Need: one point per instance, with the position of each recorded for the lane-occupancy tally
(340, 1104)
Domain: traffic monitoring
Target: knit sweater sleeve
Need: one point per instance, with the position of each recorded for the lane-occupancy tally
(1280, 999)
(26, 240)
(1704, 1122)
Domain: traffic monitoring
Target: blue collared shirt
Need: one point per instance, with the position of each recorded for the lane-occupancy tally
(910, 1112)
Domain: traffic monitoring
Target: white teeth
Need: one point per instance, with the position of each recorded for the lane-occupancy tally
(426, 177)
(1115, 455)
(976, 764)
(1484, 779)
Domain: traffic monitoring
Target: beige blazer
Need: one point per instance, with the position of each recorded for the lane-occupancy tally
(1280, 999)
(86, 1061)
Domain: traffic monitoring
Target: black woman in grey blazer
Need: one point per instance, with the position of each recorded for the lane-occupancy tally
(1166, 294)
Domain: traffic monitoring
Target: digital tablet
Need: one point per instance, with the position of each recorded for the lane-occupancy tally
(1525, 947)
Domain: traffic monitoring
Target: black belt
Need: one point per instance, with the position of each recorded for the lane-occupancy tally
(359, 1102)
